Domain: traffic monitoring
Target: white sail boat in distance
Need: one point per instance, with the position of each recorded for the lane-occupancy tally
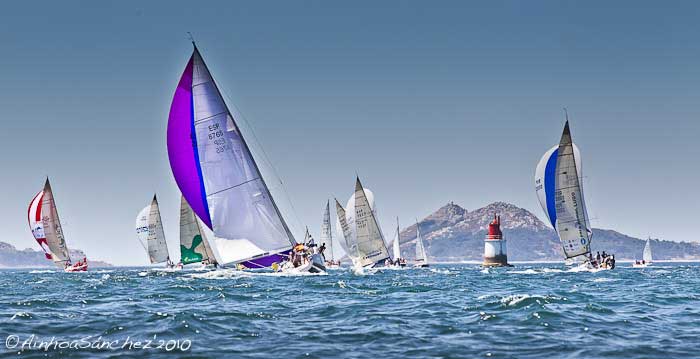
(421, 255)
(149, 231)
(327, 238)
(646, 256)
(371, 248)
(396, 247)
(48, 232)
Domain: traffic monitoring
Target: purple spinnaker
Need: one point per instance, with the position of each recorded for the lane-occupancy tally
(182, 147)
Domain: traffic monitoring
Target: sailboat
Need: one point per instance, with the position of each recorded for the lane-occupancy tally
(327, 238)
(646, 256)
(194, 247)
(421, 256)
(396, 247)
(149, 231)
(362, 231)
(348, 242)
(219, 177)
(47, 231)
(560, 193)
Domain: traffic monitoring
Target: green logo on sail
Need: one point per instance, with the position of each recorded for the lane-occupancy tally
(188, 255)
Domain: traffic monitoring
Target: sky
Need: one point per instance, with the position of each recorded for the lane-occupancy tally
(429, 102)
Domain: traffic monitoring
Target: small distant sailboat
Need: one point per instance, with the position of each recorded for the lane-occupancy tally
(366, 243)
(327, 239)
(219, 177)
(149, 231)
(560, 193)
(421, 256)
(396, 247)
(646, 256)
(349, 243)
(194, 247)
(46, 229)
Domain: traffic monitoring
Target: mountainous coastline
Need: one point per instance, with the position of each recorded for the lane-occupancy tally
(453, 233)
(11, 257)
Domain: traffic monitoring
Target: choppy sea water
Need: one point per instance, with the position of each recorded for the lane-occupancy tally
(447, 311)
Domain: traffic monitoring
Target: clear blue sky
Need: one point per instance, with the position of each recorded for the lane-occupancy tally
(429, 102)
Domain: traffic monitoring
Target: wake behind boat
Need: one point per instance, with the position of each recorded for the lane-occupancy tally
(560, 193)
(47, 231)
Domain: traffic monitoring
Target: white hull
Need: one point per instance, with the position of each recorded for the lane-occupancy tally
(315, 265)
(640, 265)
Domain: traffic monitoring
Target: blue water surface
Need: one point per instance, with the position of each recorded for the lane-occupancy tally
(446, 311)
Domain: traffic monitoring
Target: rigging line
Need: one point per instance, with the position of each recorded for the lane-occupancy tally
(232, 187)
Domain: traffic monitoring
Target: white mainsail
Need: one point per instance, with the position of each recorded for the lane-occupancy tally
(326, 236)
(647, 252)
(572, 219)
(370, 241)
(149, 231)
(193, 243)
(421, 256)
(396, 246)
(560, 193)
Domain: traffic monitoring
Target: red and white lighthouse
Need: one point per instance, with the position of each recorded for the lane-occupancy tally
(495, 252)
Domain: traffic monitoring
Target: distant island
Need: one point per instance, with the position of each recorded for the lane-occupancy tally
(11, 257)
(454, 234)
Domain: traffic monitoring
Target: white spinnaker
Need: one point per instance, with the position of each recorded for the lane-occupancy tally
(370, 241)
(189, 231)
(572, 220)
(396, 245)
(326, 236)
(420, 248)
(245, 220)
(52, 227)
(647, 252)
(348, 242)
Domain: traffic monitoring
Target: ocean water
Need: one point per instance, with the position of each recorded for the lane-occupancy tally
(447, 311)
